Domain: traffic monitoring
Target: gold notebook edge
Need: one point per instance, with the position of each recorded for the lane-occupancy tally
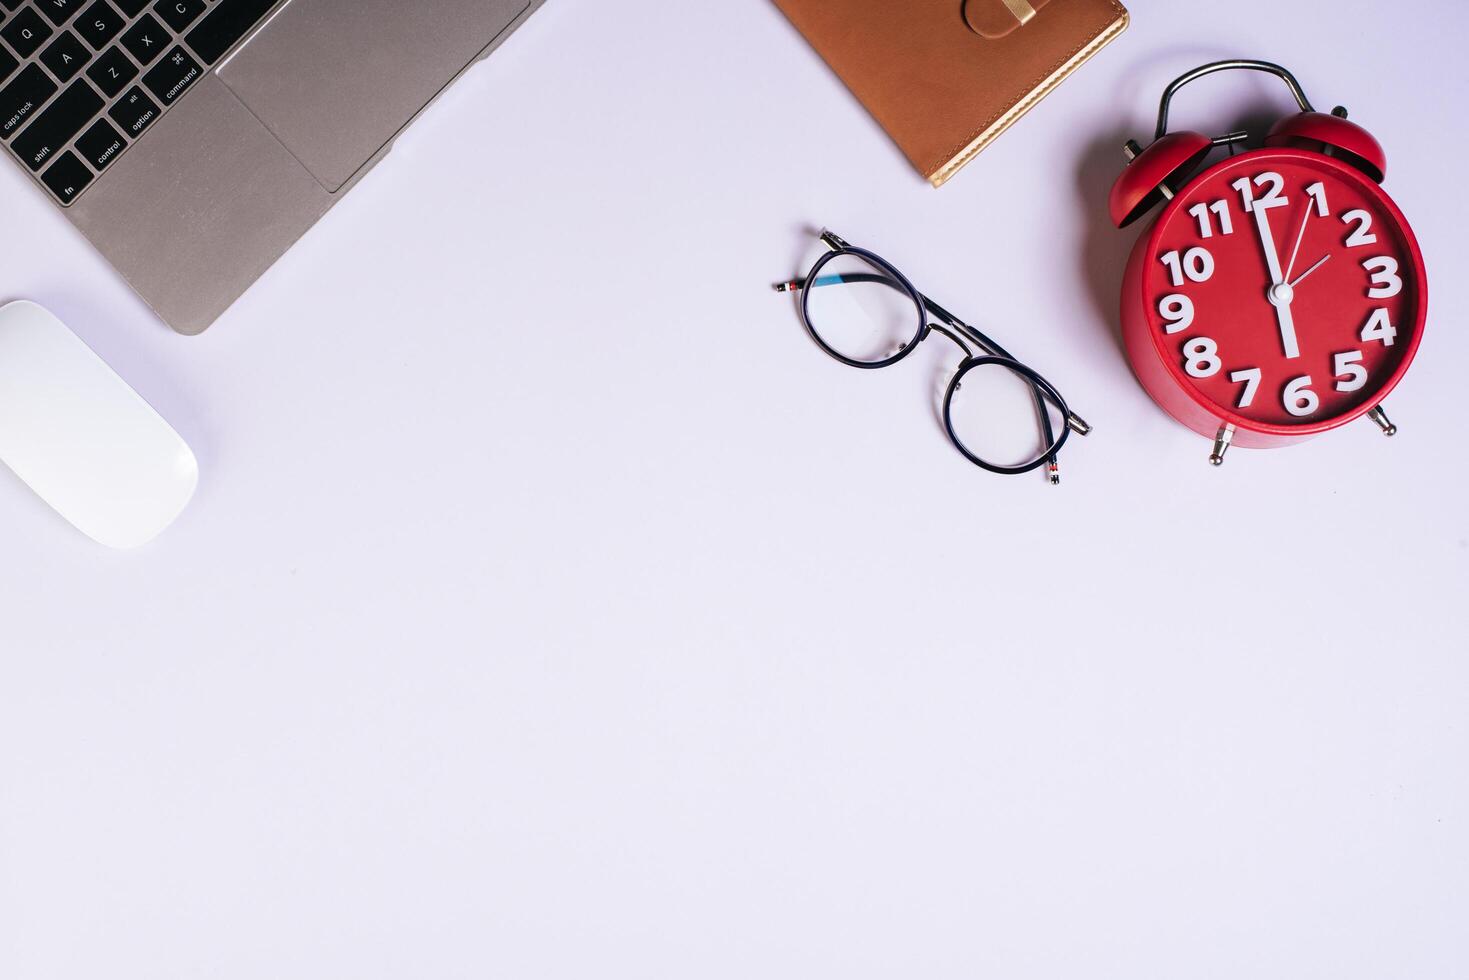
(940, 176)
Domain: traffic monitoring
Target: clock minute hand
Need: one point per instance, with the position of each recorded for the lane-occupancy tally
(1267, 242)
(1279, 294)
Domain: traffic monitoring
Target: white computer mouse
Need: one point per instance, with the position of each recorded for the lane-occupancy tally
(79, 436)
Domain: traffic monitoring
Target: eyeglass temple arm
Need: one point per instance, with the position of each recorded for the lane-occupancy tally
(1078, 425)
(836, 243)
(958, 331)
(796, 285)
(832, 279)
(833, 241)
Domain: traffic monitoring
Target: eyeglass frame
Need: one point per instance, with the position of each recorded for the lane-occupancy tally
(959, 332)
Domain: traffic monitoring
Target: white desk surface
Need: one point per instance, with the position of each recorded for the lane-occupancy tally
(550, 606)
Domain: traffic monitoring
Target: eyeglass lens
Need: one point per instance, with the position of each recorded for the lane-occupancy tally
(859, 310)
(995, 417)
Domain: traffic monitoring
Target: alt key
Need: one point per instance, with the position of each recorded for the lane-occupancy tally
(67, 177)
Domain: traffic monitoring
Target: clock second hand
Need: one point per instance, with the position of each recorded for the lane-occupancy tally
(1300, 237)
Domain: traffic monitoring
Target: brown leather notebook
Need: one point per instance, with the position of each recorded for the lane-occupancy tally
(945, 77)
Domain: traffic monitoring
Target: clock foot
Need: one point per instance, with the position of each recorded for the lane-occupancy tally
(1221, 444)
(1378, 416)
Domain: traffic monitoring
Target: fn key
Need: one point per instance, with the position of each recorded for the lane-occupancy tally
(67, 177)
(172, 76)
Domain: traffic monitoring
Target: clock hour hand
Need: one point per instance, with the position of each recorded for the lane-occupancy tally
(1280, 297)
(1280, 293)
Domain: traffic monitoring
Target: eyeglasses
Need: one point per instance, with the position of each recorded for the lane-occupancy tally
(866, 314)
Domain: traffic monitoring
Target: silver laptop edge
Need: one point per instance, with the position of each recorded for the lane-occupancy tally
(232, 173)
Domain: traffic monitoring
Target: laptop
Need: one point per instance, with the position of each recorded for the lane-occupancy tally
(194, 141)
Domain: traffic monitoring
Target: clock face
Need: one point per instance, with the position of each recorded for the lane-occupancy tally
(1285, 291)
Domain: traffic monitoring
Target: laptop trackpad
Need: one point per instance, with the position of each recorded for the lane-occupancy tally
(335, 80)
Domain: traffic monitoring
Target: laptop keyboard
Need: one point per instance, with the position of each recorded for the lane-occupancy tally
(81, 80)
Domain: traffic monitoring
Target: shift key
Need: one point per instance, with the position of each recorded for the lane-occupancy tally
(54, 128)
(172, 76)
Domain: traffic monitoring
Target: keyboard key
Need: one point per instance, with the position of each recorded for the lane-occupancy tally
(131, 8)
(112, 72)
(26, 32)
(99, 24)
(67, 177)
(227, 23)
(101, 144)
(172, 76)
(59, 11)
(179, 14)
(8, 64)
(66, 56)
(22, 98)
(146, 40)
(135, 112)
(49, 133)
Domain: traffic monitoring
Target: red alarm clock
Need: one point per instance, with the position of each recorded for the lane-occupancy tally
(1281, 292)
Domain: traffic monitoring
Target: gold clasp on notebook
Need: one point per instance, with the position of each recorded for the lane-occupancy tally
(995, 19)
